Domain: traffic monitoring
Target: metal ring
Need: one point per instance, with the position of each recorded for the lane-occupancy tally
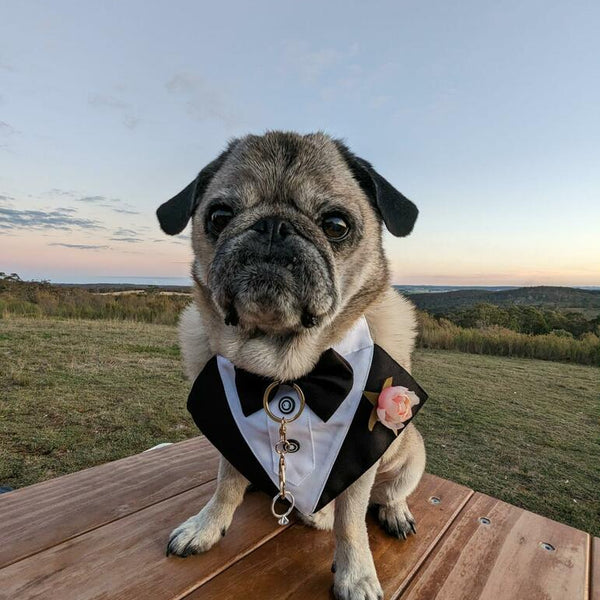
(290, 498)
(268, 391)
(283, 447)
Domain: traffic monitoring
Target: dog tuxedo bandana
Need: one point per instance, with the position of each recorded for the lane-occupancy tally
(357, 400)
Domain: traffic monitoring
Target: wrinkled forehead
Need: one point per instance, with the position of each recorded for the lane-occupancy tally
(303, 171)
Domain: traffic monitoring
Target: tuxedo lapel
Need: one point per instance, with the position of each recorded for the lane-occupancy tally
(210, 410)
(363, 448)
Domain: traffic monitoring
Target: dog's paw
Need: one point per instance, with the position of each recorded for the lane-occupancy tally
(366, 587)
(322, 519)
(396, 519)
(198, 534)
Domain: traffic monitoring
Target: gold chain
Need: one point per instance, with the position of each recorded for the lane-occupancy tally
(282, 447)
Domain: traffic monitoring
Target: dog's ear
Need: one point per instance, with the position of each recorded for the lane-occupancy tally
(174, 214)
(398, 212)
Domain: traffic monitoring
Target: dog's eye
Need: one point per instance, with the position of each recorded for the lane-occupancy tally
(218, 218)
(335, 227)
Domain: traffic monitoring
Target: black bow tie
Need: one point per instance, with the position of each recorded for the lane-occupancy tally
(325, 387)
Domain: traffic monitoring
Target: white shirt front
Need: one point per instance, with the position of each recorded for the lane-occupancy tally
(316, 443)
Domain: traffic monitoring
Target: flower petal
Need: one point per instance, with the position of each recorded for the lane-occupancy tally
(414, 399)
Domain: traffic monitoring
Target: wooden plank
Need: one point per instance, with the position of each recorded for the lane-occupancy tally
(47, 513)
(297, 563)
(126, 559)
(504, 558)
(595, 570)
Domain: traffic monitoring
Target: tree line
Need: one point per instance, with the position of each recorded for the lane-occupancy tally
(520, 330)
(523, 319)
(558, 345)
(42, 299)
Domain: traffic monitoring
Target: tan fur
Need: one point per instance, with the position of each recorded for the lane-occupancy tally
(362, 275)
(393, 326)
(362, 283)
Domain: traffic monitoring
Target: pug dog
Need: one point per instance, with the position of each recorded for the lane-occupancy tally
(288, 255)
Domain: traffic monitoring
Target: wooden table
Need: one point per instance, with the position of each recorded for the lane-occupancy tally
(102, 532)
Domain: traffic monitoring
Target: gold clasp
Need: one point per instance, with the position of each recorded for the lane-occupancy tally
(282, 447)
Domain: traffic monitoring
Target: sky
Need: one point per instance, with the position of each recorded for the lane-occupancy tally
(485, 113)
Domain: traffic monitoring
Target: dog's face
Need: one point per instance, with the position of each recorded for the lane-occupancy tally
(286, 231)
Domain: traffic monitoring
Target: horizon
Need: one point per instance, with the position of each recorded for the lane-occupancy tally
(187, 281)
(473, 112)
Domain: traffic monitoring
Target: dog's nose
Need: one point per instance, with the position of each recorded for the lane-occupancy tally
(273, 228)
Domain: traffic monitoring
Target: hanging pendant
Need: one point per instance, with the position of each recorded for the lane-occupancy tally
(282, 447)
(282, 518)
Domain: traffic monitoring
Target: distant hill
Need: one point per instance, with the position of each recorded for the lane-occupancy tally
(105, 288)
(544, 296)
(436, 289)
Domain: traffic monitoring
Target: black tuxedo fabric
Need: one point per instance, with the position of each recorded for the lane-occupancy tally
(360, 449)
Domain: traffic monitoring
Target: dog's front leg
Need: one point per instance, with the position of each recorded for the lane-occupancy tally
(354, 571)
(202, 531)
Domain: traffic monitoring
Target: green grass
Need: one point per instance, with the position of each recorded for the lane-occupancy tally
(76, 393)
(522, 430)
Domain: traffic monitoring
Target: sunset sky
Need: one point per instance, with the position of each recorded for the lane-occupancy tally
(485, 114)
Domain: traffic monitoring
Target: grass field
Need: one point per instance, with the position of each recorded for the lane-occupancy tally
(75, 393)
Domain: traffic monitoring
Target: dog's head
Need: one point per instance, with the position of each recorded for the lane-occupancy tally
(287, 233)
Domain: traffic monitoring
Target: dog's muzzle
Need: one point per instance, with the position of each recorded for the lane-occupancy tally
(272, 278)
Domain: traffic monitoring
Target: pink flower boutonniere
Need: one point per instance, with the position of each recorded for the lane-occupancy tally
(392, 406)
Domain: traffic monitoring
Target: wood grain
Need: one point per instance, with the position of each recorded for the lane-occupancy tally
(297, 563)
(101, 534)
(595, 570)
(126, 559)
(45, 514)
(504, 559)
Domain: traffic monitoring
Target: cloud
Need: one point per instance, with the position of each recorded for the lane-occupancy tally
(59, 192)
(314, 64)
(6, 199)
(107, 101)
(92, 199)
(126, 235)
(60, 218)
(125, 211)
(203, 102)
(7, 129)
(108, 203)
(111, 103)
(130, 121)
(336, 74)
(99, 199)
(379, 101)
(7, 134)
(125, 232)
(129, 240)
(80, 246)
